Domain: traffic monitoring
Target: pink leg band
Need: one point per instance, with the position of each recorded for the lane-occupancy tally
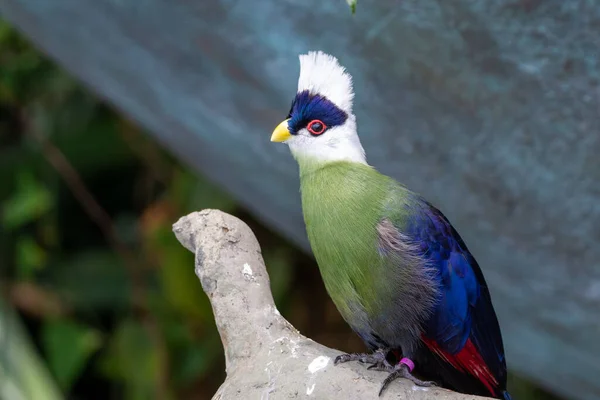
(408, 362)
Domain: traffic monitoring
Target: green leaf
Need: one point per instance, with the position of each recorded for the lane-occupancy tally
(30, 201)
(30, 257)
(23, 373)
(352, 4)
(68, 346)
(91, 280)
(133, 360)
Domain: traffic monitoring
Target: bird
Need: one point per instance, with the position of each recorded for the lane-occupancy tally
(394, 266)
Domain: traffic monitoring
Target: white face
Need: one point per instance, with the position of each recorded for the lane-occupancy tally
(335, 144)
(321, 124)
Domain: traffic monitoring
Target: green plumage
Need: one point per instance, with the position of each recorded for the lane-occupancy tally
(343, 203)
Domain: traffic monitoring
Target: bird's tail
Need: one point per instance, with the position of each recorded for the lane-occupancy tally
(506, 395)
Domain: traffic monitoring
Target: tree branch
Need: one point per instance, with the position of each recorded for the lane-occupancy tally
(266, 357)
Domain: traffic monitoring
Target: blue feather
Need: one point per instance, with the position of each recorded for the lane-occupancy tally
(450, 325)
(464, 310)
(307, 107)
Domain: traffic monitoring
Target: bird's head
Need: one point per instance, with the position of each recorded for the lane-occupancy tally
(320, 124)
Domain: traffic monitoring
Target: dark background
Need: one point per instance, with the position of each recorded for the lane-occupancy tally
(500, 133)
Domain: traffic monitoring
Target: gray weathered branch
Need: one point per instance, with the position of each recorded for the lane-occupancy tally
(266, 357)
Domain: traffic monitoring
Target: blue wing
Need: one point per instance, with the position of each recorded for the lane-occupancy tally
(463, 331)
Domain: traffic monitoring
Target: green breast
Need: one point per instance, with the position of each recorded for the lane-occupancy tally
(342, 203)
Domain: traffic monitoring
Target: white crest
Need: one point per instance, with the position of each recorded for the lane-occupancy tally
(321, 73)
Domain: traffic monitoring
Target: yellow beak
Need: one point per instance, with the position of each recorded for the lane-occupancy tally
(281, 133)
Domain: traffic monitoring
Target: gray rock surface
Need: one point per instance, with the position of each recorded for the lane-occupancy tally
(265, 356)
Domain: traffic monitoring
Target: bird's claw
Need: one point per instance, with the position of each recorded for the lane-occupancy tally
(375, 358)
(343, 358)
(381, 366)
(402, 371)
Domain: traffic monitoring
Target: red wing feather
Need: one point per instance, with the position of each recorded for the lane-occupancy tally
(466, 360)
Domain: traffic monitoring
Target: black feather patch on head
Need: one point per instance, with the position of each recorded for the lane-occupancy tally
(308, 107)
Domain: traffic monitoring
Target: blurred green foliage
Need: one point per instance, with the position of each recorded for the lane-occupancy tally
(109, 323)
(88, 258)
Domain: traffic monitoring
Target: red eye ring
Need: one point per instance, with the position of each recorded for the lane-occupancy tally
(316, 127)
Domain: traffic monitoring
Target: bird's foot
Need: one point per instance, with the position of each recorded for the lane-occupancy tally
(377, 359)
(381, 364)
(403, 370)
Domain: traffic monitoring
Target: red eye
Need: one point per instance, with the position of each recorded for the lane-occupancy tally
(316, 127)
